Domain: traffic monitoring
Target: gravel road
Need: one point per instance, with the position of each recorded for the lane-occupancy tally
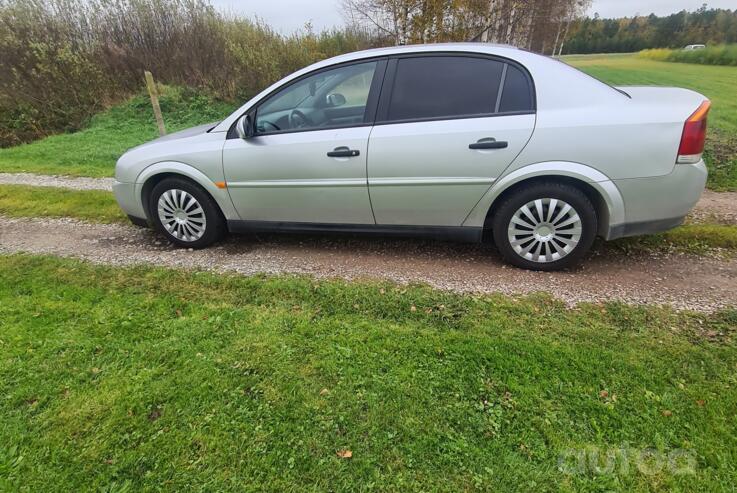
(56, 181)
(682, 281)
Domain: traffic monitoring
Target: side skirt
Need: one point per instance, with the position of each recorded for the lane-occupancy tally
(451, 233)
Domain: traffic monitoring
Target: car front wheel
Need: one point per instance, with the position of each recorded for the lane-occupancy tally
(545, 226)
(184, 213)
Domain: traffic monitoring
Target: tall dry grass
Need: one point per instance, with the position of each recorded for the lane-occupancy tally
(61, 61)
(711, 55)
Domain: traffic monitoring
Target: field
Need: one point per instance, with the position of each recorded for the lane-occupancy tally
(93, 151)
(147, 379)
(715, 82)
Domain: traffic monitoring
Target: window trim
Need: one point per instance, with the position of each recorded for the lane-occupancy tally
(371, 102)
(390, 80)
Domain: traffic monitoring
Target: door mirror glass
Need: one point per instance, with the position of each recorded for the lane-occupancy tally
(243, 127)
(335, 100)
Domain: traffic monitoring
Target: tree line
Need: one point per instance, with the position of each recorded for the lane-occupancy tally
(704, 26)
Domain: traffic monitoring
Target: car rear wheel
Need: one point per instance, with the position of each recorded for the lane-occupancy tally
(184, 213)
(545, 226)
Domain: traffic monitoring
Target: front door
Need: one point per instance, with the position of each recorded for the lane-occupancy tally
(449, 126)
(306, 162)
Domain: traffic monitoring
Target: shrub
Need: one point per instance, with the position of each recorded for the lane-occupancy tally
(711, 55)
(62, 61)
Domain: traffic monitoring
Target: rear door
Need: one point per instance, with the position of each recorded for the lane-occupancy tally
(447, 126)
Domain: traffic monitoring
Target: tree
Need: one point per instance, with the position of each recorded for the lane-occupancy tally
(542, 25)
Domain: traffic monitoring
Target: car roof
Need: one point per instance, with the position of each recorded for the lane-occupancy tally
(488, 48)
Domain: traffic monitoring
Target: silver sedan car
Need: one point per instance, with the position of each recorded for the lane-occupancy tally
(470, 142)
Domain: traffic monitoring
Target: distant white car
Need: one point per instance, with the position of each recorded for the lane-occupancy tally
(454, 141)
(694, 47)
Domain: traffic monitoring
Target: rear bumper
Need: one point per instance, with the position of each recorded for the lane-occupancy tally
(644, 228)
(659, 203)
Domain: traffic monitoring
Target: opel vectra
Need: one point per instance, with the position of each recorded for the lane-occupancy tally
(471, 142)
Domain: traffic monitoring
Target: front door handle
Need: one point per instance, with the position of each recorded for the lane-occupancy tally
(489, 144)
(343, 152)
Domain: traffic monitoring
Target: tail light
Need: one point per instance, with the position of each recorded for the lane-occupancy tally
(694, 136)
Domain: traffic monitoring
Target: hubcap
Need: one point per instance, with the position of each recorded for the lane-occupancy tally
(181, 215)
(544, 230)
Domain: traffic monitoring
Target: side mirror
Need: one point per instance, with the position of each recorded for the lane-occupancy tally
(335, 100)
(244, 128)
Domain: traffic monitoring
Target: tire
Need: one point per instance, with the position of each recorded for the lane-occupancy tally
(564, 237)
(185, 213)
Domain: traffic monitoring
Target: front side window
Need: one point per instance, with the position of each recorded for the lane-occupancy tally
(328, 99)
(444, 87)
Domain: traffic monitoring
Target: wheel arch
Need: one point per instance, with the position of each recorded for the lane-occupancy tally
(598, 188)
(155, 173)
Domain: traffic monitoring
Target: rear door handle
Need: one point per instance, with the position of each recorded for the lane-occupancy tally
(343, 152)
(489, 144)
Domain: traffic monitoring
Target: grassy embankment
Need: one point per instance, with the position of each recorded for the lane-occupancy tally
(145, 379)
(94, 150)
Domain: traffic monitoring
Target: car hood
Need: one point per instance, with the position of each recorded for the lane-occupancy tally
(188, 132)
(182, 134)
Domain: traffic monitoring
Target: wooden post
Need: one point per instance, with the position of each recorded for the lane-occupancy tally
(154, 94)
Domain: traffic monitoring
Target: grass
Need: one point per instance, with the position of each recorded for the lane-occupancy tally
(715, 82)
(88, 205)
(711, 55)
(148, 379)
(94, 150)
(699, 239)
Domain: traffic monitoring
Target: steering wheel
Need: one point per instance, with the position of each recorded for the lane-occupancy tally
(267, 122)
(297, 119)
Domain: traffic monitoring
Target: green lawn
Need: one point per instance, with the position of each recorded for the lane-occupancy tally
(94, 150)
(147, 379)
(716, 82)
(88, 205)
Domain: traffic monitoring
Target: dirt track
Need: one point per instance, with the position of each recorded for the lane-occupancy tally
(684, 282)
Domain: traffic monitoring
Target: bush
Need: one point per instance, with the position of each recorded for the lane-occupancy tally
(62, 61)
(711, 55)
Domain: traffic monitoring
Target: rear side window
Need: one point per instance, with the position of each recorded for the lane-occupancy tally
(517, 93)
(444, 87)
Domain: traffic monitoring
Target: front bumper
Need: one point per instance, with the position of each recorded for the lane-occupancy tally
(125, 194)
(659, 203)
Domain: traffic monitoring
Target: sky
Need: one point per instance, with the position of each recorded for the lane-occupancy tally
(290, 15)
